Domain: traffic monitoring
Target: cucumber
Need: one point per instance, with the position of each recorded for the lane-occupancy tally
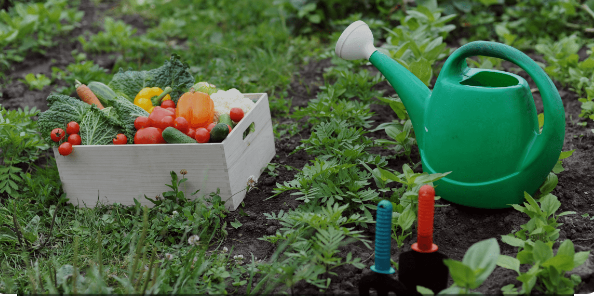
(226, 119)
(219, 132)
(175, 136)
(105, 94)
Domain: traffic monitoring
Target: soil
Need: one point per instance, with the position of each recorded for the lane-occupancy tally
(456, 227)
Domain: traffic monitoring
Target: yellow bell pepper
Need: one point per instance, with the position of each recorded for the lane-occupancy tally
(149, 97)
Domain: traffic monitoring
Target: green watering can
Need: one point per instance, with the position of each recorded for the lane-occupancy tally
(479, 124)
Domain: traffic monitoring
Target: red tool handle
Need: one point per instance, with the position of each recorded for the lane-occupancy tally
(424, 242)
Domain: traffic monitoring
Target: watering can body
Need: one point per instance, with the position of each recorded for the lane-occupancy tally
(481, 125)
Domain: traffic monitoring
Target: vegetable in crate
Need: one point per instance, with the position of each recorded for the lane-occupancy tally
(196, 107)
(105, 94)
(58, 134)
(149, 135)
(74, 139)
(173, 73)
(236, 114)
(65, 148)
(219, 132)
(224, 101)
(205, 87)
(157, 116)
(226, 119)
(86, 95)
(120, 139)
(202, 135)
(72, 128)
(174, 136)
(150, 97)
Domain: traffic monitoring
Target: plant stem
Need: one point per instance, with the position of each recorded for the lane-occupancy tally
(588, 10)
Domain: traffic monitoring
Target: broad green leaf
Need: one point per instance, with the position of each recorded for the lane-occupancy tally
(512, 241)
(580, 258)
(388, 175)
(461, 273)
(7, 235)
(560, 262)
(422, 69)
(566, 248)
(549, 204)
(525, 257)
(407, 218)
(566, 154)
(424, 291)
(542, 252)
(482, 255)
(549, 184)
(509, 263)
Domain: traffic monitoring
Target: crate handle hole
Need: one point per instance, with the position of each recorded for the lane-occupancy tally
(250, 129)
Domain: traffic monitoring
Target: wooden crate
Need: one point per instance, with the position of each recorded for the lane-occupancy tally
(120, 173)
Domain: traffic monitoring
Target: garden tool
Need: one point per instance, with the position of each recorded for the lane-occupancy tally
(380, 279)
(479, 124)
(423, 266)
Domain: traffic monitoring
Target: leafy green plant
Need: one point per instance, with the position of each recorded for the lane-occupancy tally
(403, 135)
(327, 107)
(318, 232)
(547, 273)
(587, 103)
(119, 37)
(478, 263)
(338, 140)
(20, 144)
(542, 225)
(36, 81)
(418, 42)
(328, 182)
(82, 70)
(33, 26)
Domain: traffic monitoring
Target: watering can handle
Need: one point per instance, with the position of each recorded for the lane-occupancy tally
(551, 139)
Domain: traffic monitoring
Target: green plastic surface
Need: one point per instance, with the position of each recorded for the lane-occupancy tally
(482, 125)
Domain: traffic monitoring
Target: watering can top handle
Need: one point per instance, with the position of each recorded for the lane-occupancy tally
(554, 113)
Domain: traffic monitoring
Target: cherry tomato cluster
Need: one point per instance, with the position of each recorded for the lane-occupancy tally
(149, 129)
(58, 134)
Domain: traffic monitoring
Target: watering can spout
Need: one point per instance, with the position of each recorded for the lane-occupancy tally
(356, 42)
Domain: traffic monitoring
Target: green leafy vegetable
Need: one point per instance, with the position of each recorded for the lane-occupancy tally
(97, 128)
(174, 74)
(127, 113)
(62, 109)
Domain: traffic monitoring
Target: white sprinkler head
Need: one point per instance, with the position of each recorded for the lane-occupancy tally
(356, 42)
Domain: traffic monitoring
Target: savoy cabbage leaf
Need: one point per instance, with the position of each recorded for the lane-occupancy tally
(97, 128)
(127, 113)
(174, 74)
(62, 110)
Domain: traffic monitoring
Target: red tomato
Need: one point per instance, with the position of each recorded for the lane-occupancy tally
(191, 133)
(72, 128)
(65, 148)
(57, 134)
(149, 135)
(229, 128)
(210, 126)
(171, 109)
(141, 122)
(181, 124)
(120, 139)
(158, 114)
(74, 139)
(236, 114)
(165, 122)
(202, 135)
(168, 104)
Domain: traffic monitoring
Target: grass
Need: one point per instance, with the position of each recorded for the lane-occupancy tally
(49, 246)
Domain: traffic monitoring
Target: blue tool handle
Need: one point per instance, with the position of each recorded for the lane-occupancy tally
(383, 239)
